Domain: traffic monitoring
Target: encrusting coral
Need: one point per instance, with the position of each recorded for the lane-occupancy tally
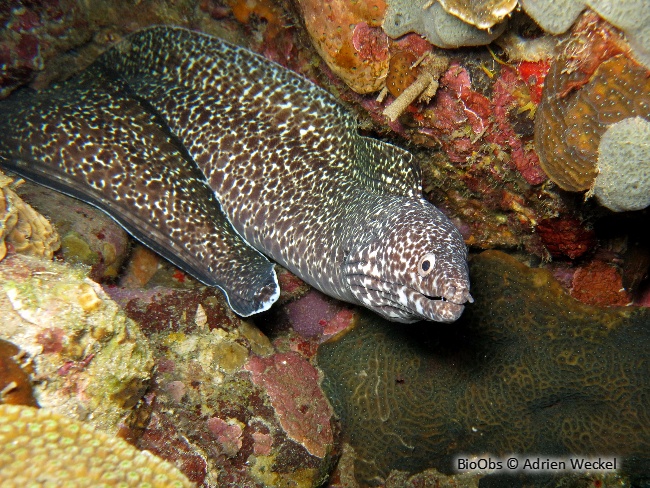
(24, 229)
(439, 27)
(481, 13)
(631, 16)
(41, 448)
(591, 86)
(527, 369)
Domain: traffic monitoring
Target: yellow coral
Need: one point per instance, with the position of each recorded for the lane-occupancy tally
(24, 228)
(40, 448)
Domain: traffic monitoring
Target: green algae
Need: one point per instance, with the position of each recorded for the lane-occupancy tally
(527, 369)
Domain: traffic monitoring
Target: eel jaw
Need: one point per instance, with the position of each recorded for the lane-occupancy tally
(400, 303)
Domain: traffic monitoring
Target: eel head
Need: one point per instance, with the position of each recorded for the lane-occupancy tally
(414, 267)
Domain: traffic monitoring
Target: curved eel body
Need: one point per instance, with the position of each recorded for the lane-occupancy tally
(291, 174)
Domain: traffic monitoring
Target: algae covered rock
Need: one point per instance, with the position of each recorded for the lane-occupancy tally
(226, 405)
(91, 362)
(41, 448)
(527, 369)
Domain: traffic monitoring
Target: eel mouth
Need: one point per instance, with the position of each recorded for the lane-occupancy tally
(401, 303)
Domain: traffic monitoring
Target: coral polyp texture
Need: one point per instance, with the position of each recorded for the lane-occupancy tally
(40, 448)
(586, 91)
(527, 369)
(623, 180)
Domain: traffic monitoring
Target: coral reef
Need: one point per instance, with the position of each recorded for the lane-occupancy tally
(566, 237)
(41, 448)
(225, 405)
(75, 335)
(347, 35)
(590, 87)
(527, 369)
(599, 283)
(481, 13)
(292, 386)
(632, 17)
(230, 407)
(15, 382)
(22, 228)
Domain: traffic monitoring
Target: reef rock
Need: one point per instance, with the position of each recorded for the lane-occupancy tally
(226, 405)
(75, 336)
(348, 37)
(88, 235)
(527, 369)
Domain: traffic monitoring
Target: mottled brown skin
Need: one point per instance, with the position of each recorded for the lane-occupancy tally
(527, 369)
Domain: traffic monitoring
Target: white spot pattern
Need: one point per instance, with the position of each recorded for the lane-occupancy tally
(293, 176)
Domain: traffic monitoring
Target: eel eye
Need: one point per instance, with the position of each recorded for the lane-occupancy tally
(426, 264)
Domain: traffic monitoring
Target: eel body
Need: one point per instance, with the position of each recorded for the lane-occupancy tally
(290, 176)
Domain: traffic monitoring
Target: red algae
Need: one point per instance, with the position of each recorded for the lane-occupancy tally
(566, 237)
(599, 283)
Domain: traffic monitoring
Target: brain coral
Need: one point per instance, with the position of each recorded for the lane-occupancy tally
(527, 369)
(576, 111)
(39, 448)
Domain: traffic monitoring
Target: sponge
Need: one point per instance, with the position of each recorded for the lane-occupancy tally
(437, 26)
(623, 181)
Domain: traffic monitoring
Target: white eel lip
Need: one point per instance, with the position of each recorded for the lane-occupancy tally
(401, 303)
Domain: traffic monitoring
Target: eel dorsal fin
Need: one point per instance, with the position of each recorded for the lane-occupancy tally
(90, 139)
(385, 168)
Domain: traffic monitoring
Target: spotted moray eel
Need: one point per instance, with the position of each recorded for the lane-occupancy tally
(215, 158)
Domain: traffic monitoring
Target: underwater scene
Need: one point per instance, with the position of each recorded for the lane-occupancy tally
(325, 243)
